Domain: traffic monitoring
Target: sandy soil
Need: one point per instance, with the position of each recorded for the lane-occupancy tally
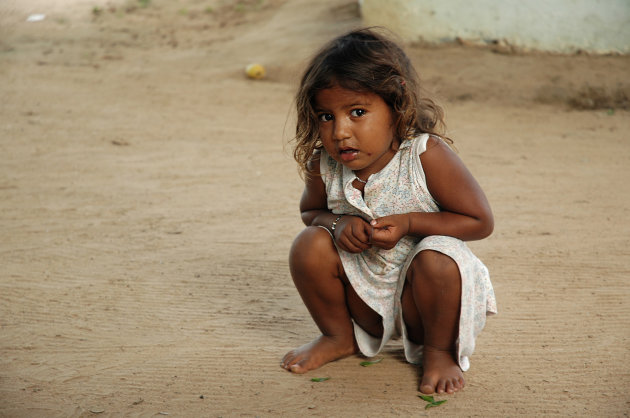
(148, 200)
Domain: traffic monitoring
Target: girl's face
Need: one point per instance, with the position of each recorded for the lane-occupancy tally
(356, 129)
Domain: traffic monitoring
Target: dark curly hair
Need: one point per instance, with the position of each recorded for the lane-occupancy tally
(364, 60)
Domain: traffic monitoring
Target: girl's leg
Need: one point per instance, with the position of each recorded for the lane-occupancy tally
(319, 278)
(431, 305)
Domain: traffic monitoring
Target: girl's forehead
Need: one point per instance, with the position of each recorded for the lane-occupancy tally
(337, 95)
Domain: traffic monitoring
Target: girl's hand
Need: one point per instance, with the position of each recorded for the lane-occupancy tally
(352, 234)
(388, 230)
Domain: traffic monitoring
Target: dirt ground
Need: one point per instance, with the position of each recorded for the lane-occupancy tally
(148, 199)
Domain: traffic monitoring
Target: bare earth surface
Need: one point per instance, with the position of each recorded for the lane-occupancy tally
(148, 200)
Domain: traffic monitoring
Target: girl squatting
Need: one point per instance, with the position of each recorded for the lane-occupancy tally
(388, 207)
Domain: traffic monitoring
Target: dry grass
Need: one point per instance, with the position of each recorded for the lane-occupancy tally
(587, 97)
(593, 98)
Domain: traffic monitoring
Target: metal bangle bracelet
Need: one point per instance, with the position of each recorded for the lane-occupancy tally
(334, 224)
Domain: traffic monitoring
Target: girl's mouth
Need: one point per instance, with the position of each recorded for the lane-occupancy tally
(348, 154)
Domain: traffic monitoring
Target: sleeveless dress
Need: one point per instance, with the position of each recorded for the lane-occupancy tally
(378, 275)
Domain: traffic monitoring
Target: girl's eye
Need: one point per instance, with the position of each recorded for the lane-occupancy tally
(357, 112)
(325, 117)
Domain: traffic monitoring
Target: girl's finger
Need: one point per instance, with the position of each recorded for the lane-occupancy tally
(380, 223)
(379, 240)
(361, 233)
(358, 243)
(361, 242)
(348, 245)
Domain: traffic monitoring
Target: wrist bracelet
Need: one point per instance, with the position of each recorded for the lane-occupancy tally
(334, 224)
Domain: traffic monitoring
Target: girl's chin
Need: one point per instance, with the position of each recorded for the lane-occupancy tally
(352, 165)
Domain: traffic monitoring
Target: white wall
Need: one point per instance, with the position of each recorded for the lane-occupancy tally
(549, 25)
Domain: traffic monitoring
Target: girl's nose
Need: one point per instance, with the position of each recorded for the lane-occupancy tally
(341, 130)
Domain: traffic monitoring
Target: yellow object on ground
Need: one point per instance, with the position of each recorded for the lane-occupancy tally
(255, 71)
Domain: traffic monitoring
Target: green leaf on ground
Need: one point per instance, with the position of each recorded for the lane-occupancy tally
(369, 363)
(431, 401)
(319, 379)
(427, 398)
(431, 405)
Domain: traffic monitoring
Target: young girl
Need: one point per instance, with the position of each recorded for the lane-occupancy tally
(387, 207)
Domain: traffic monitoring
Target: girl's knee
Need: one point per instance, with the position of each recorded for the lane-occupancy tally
(312, 245)
(433, 267)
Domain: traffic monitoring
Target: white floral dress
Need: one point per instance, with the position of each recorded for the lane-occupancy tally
(378, 275)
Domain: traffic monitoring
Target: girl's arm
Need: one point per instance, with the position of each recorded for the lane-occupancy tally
(465, 212)
(351, 233)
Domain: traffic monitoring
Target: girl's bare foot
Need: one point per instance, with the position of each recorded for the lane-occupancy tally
(318, 352)
(441, 373)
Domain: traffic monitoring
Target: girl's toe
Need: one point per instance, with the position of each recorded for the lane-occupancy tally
(298, 367)
(450, 387)
(441, 387)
